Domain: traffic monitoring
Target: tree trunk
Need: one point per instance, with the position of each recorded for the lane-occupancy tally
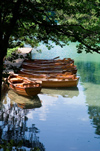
(3, 52)
(1, 70)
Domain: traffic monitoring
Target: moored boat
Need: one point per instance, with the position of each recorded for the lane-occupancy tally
(58, 83)
(50, 61)
(47, 76)
(47, 66)
(41, 71)
(52, 73)
(49, 81)
(23, 85)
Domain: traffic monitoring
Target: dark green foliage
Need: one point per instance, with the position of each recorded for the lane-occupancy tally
(30, 22)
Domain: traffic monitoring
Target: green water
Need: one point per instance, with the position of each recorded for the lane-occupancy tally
(57, 119)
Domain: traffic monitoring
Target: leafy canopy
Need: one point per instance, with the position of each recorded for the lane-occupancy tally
(33, 21)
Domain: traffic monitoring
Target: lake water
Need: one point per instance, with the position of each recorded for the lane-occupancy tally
(57, 119)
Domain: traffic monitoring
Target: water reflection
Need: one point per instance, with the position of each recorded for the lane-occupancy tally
(92, 92)
(89, 71)
(90, 78)
(23, 102)
(13, 123)
(64, 92)
(94, 113)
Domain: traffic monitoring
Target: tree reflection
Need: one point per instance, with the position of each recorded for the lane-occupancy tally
(94, 113)
(13, 126)
(89, 71)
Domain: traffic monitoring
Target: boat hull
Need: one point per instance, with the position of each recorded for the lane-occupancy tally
(43, 61)
(53, 73)
(26, 91)
(24, 86)
(48, 66)
(53, 82)
(59, 83)
(39, 71)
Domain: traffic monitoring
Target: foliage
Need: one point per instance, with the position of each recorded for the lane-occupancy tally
(11, 51)
(32, 21)
(12, 55)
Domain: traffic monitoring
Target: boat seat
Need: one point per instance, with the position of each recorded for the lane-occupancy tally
(16, 80)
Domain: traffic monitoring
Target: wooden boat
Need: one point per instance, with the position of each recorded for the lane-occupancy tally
(42, 61)
(24, 86)
(48, 71)
(51, 72)
(49, 76)
(50, 65)
(47, 66)
(72, 81)
(57, 83)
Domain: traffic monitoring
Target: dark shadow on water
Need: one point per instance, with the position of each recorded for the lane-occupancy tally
(13, 124)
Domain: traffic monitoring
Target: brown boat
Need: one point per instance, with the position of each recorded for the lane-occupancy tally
(47, 66)
(24, 86)
(52, 71)
(47, 76)
(49, 69)
(58, 83)
(50, 61)
(53, 80)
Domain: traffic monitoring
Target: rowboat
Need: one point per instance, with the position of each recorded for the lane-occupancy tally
(40, 71)
(57, 83)
(47, 66)
(50, 61)
(48, 69)
(52, 73)
(52, 82)
(23, 85)
(47, 76)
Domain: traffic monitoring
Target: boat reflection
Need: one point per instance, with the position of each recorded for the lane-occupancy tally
(64, 92)
(14, 129)
(22, 102)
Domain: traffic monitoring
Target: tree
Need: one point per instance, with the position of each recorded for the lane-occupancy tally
(32, 21)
